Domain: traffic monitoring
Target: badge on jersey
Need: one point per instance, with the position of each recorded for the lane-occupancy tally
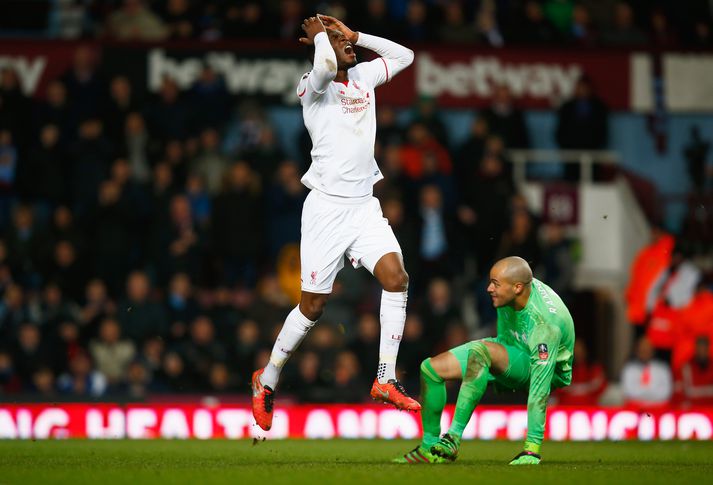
(542, 351)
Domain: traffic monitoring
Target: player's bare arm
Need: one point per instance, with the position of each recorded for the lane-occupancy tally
(336, 24)
(312, 26)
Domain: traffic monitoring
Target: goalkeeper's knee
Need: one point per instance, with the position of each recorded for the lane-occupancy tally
(428, 372)
(479, 360)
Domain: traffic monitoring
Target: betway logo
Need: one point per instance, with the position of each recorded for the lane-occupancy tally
(29, 71)
(272, 77)
(483, 74)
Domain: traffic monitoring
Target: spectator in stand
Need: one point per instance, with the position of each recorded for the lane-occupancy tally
(82, 379)
(505, 120)
(13, 311)
(178, 245)
(237, 226)
(439, 311)
(290, 18)
(376, 20)
(122, 101)
(18, 106)
(365, 345)
(136, 22)
(68, 269)
(521, 238)
(417, 27)
(558, 260)
(25, 242)
(284, 200)
(140, 317)
(181, 306)
(9, 380)
(436, 231)
(111, 353)
(173, 376)
(178, 19)
(41, 176)
(422, 143)
(624, 31)
(671, 292)
(168, 115)
(138, 148)
(210, 100)
(533, 27)
(248, 22)
(54, 110)
(691, 323)
(559, 13)
(456, 29)
(30, 352)
(582, 121)
(97, 306)
(348, 378)
(649, 264)
(202, 351)
(694, 381)
(211, 165)
(86, 87)
(582, 31)
(588, 380)
(487, 26)
(646, 382)
(91, 157)
(662, 33)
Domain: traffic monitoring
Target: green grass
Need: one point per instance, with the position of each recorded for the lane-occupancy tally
(341, 461)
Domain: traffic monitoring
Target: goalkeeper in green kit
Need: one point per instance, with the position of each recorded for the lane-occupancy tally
(533, 349)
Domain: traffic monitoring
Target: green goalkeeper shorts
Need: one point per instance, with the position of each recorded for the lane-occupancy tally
(517, 375)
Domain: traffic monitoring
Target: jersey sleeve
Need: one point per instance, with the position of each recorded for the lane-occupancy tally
(544, 343)
(394, 59)
(324, 68)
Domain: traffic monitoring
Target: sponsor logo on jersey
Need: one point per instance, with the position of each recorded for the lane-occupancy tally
(313, 278)
(542, 351)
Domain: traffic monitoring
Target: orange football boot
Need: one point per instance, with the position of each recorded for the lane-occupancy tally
(394, 393)
(263, 400)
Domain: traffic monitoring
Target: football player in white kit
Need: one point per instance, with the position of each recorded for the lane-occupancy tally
(340, 217)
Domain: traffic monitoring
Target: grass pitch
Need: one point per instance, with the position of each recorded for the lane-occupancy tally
(345, 462)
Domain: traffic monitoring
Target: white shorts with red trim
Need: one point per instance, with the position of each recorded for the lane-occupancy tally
(337, 227)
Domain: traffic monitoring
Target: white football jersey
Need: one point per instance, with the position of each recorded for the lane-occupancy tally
(341, 119)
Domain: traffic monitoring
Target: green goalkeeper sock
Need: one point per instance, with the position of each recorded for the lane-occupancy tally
(433, 400)
(475, 381)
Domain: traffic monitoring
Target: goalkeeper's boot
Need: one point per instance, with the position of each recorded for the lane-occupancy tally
(394, 393)
(263, 402)
(418, 456)
(447, 447)
(526, 458)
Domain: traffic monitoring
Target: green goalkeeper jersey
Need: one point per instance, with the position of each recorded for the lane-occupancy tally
(544, 330)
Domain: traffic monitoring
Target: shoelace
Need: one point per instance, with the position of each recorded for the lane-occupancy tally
(269, 401)
(451, 442)
(399, 387)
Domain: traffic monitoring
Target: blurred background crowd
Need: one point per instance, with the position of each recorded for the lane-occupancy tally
(581, 23)
(149, 244)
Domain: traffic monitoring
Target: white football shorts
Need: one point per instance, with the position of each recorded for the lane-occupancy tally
(335, 227)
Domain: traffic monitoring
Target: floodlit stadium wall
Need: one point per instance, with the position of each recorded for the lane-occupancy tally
(182, 421)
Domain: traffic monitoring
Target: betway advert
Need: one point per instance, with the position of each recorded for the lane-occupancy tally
(457, 77)
(181, 421)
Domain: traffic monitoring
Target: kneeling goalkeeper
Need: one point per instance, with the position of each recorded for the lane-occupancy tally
(534, 348)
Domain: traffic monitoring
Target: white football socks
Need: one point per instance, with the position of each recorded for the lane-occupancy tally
(393, 318)
(291, 335)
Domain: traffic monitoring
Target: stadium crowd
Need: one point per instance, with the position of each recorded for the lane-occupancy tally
(150, 245)
(580, 23)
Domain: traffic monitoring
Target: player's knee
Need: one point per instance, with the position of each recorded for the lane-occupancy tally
(428, 372)
(480, 354)
(396, 281)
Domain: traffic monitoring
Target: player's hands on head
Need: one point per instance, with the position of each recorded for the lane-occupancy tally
(312, 26)
(336, 24)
